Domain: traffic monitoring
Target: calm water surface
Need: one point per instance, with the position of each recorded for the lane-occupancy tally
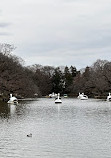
(73, 129)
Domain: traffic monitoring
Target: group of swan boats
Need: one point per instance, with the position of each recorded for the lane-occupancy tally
(81, 96)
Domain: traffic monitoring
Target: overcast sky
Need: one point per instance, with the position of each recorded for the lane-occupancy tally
(57, 32)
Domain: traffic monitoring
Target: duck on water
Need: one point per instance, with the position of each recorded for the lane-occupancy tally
(29, 135)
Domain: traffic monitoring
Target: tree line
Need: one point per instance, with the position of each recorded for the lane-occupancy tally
(38, 80)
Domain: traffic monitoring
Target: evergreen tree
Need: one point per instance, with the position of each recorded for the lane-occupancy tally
(73, 71)
(57, 81)
(68, 79)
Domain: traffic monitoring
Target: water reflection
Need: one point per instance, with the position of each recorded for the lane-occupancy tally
(12, 109)
(9, 110)
(69, 108)
(4, 110)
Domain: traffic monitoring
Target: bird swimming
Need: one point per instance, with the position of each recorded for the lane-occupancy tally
(29, 135)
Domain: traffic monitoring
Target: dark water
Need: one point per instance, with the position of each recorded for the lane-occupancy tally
(73, 129)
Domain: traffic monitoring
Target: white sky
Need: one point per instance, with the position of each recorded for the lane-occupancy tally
(57, 32)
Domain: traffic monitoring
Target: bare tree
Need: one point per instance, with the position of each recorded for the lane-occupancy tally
(6, 49)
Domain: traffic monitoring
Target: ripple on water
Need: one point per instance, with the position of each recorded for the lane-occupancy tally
(74, 128)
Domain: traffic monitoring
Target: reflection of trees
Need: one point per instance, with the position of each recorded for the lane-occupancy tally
(8, 111)
(4, 110)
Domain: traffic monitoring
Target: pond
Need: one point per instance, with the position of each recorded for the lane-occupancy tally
(73, 129)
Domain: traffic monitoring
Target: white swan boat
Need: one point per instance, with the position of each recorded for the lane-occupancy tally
(109, 97)
(82, 96)
(53, 95)
(58, 99)
(12, 100)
